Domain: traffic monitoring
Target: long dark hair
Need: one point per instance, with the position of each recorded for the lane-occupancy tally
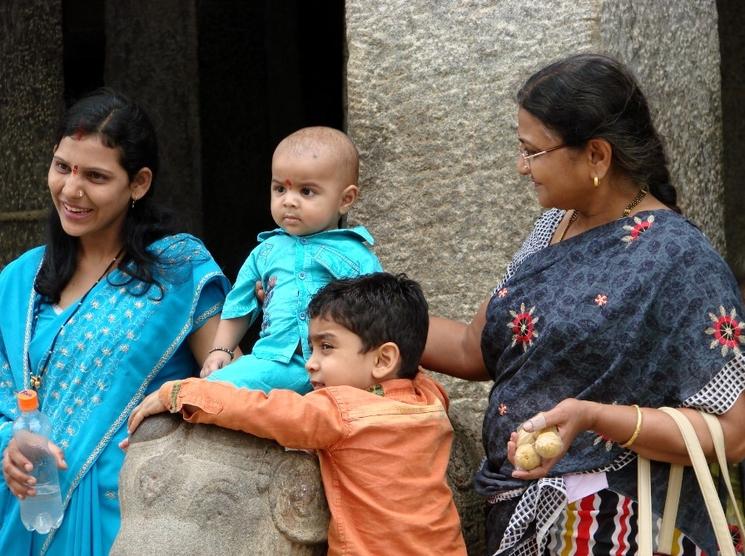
(121, 124)
(588, 96)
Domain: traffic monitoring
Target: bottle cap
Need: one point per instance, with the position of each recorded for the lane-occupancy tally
(27, 400)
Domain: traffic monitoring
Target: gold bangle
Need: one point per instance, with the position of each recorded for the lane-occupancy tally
(175, 388)
(638, 428)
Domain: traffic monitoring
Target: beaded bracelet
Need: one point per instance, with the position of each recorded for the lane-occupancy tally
(224, 349)
(638, 428)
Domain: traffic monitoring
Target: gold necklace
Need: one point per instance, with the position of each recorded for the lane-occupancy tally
(635, 201)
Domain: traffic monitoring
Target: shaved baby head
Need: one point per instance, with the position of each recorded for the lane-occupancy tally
(317, 140)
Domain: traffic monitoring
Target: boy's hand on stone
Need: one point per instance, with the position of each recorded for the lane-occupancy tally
(151, 405)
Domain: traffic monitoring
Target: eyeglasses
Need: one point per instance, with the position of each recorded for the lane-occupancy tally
(528, 157)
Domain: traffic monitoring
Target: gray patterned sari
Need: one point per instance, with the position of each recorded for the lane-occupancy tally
(641, 310)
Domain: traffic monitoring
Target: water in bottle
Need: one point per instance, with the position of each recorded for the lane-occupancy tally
(42, 512)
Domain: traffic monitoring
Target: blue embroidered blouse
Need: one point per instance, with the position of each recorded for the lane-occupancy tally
(123, 342)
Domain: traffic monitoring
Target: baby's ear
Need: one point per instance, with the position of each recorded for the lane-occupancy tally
(348, 197)
(387, 361)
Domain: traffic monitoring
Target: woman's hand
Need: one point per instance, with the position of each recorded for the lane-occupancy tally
(570, 416)
(151, 405)
(16, 469)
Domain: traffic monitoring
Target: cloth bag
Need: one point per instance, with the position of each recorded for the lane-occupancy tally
(705, 481)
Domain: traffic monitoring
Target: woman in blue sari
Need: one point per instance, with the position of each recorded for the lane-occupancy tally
(114, 305)
(614, 306)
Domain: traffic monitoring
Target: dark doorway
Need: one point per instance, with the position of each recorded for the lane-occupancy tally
(731, 46)
(265, 69)
(84, 39)
(240, 74)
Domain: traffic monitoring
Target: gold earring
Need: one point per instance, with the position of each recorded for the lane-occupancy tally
(595, 181)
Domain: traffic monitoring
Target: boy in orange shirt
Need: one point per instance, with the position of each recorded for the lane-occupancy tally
(379, 425)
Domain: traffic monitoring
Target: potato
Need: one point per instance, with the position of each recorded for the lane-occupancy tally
(525, 437)
(526, 457)
(548, 443)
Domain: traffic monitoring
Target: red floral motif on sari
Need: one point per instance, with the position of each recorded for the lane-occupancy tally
(727, 331)
(640, 226)
(522, 326)
(737, 539)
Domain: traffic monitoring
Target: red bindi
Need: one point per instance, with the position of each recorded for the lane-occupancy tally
(288, 182)
(75, 170)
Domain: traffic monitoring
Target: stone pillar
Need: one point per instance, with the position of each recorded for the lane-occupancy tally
(430, 92)
(151, 55)
(673, 47)
(31, 91)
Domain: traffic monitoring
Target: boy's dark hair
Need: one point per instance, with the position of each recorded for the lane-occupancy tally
(379, 308)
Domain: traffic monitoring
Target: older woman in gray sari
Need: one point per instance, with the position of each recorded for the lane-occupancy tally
(614, 306)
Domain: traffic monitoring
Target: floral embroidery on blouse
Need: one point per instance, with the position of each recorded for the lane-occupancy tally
(523, 327)
(640, 226)
(601, 299)
(608, 443)
(727, 331)
(502, 293)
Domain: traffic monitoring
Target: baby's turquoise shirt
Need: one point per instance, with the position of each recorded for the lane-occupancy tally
(292, 269)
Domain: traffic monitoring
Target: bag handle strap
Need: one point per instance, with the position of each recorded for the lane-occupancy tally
(644, 521)
(706, 484)
(667, 529)
(715, 429)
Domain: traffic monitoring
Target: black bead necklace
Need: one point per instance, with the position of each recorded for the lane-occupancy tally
(36, 378)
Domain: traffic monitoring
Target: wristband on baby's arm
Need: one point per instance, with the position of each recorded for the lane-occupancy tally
(224, 350)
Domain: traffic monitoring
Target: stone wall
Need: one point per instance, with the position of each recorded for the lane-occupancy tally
(430, 88)
(31, 89)
(673, 47)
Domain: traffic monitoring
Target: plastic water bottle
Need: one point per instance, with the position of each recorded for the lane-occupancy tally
(42, 512)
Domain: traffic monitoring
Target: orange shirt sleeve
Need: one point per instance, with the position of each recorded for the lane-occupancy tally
(308, 422)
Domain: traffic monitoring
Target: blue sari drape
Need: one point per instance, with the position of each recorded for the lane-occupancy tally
(638, 311)
(122, 343)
